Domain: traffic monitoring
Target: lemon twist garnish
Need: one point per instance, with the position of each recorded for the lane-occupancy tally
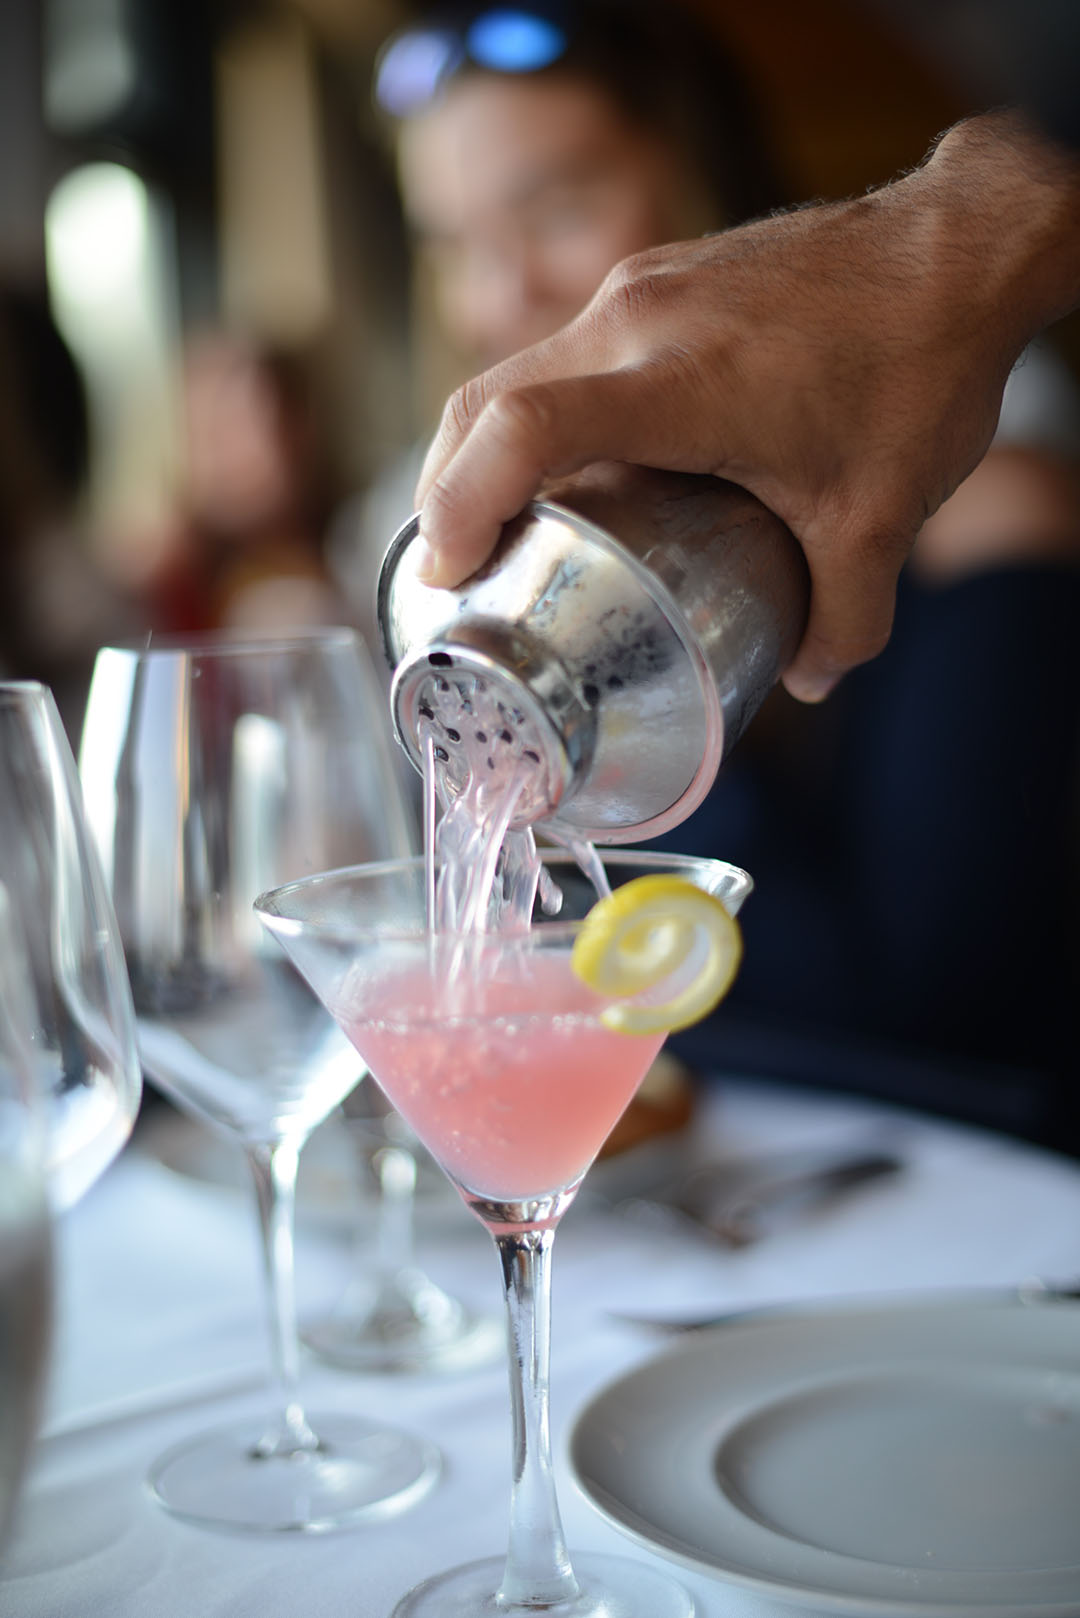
(642, 934)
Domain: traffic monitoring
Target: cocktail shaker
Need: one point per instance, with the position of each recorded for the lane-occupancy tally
(618, 641)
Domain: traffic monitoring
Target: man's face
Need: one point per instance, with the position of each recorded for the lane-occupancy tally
(524, 194)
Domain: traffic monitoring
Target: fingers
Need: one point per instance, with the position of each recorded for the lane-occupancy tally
(483, 469)
(852, 598)
(456, 536)
(498, 446)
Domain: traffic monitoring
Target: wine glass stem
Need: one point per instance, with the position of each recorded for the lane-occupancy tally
(395, 1174)
(274, 1166)
(538, 1571)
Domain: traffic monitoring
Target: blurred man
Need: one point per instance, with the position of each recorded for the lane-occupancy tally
(881, 940)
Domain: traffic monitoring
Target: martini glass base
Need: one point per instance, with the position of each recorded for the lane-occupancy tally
(362, 1472)
(610, 1587)
(406, 1340)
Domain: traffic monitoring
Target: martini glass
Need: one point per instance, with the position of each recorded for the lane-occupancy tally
(211, 767)
(494, 1051)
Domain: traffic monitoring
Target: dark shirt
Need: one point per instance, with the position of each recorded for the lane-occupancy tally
(914, 843)
(1023, 52)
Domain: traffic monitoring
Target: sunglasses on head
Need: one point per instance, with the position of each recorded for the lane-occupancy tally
(416, 63)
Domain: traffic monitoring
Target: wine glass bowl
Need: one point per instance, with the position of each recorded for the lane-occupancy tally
(210, 768)
(204, 764)
(25, 1226)
(83, 1023)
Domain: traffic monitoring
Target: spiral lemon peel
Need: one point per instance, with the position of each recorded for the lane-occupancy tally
(643, 933)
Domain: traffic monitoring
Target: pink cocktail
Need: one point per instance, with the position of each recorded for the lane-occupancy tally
(507, 1075)
(497, 1055)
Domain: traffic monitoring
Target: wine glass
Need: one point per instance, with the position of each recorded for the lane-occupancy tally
(210, 768)
(70, 1079)
(84, 1029)
(25, 1228)
(495, 1052)
(392, 1316)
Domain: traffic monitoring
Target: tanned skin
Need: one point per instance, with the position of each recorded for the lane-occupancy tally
(845, 362)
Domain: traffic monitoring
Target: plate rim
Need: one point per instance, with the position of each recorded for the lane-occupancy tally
(772, 1317)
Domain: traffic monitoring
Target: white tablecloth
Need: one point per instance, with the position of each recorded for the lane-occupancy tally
(160, 1334)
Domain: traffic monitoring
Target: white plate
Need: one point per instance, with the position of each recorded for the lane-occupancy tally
(888, 1459)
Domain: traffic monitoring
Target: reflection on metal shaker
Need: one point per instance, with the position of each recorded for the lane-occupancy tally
(623, 633)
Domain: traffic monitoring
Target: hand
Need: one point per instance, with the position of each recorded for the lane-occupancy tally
(845, 363)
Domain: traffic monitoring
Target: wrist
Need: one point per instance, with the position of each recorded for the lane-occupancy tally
(1002, 204)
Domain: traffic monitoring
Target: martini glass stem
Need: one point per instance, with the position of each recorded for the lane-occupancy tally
(538, 1571)
(274, 1166)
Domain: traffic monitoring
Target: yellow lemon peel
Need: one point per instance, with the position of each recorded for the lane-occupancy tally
(642, 934)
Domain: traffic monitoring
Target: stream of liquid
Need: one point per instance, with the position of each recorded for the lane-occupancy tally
(488, 1043)
(483, 869)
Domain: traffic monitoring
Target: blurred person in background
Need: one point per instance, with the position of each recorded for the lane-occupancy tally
(245, 546)
(56, 605)
(535, 149)
(914, 841)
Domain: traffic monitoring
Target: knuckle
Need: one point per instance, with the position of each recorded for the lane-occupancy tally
(464, 407)
(866, 536)
(888, 518)
(524, 415)
(634, 288)
(853, 572)
(441, 504)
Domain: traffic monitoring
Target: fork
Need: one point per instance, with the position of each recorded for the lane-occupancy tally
(737, 1209)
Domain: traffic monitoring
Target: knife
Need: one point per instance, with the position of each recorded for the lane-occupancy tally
(1029, 1295)
(738, 1214)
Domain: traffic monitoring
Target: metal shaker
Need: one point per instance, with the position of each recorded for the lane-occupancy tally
(620, 638)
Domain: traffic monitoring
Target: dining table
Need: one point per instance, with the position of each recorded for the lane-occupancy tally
(159, 1331)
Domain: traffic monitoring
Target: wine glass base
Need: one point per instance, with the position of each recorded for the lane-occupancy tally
(609, 1587)
(403, 1341)
(362, 1472)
